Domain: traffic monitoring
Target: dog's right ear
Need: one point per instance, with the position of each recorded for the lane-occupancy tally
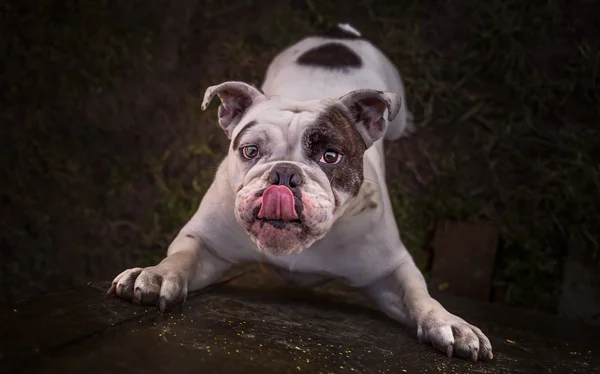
(236, 98)
(367, 108)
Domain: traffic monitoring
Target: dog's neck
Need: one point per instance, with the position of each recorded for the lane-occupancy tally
(365, 200)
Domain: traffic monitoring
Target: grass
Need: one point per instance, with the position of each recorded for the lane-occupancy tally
(114, 153)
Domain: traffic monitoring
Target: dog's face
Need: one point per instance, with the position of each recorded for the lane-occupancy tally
(294, 165)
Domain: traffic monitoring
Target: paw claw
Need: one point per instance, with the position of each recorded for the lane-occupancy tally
(112, 289)
(455, 337)
(150, 286)
(162, 305)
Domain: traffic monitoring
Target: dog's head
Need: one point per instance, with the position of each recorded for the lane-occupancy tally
(294, 165)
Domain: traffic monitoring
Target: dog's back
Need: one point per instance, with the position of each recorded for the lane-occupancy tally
(333, 64)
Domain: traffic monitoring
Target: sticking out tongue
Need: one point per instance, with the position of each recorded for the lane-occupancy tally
(278, 203)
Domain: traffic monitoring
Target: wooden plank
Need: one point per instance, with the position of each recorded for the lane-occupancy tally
(254, 329)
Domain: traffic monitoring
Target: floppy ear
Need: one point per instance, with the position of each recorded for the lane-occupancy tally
(236, 98)
(367, 108)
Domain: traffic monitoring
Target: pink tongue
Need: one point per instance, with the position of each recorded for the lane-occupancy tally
(278, 203)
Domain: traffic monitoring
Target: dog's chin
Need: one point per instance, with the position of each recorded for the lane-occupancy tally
(280, 238)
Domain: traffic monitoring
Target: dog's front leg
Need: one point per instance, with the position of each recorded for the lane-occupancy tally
(189, 266)
(403, 296)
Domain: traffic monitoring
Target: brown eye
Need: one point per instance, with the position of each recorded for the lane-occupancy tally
(331, 157)
(250, 151)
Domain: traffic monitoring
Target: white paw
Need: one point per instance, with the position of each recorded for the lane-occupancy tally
(150, 286)
(454, 336)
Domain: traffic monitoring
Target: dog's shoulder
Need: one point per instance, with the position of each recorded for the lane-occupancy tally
(368, 198)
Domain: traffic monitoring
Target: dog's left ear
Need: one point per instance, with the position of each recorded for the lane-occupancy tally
(236, 98)
(367, 108)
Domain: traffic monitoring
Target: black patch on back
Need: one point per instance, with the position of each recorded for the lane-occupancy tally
(330, 55)
(339, 33)
(236, 141)
(334, 130)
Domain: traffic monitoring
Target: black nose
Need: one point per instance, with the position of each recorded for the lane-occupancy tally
(286, 175)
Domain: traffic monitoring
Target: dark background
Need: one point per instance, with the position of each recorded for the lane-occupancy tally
(105, 152)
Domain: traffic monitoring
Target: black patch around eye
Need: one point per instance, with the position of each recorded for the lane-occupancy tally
(316, 143)
(334, 130)
(330, 55)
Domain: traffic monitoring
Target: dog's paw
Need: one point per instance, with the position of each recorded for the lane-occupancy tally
(454, 336)
(150, 286)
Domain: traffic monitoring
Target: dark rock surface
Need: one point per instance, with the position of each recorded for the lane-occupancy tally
(254, 325)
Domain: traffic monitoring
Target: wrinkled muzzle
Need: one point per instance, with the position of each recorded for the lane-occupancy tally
(283, 211)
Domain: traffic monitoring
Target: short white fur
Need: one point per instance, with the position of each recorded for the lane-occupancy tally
(360, 247)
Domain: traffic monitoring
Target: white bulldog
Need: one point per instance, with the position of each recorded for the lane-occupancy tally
(303, 190)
